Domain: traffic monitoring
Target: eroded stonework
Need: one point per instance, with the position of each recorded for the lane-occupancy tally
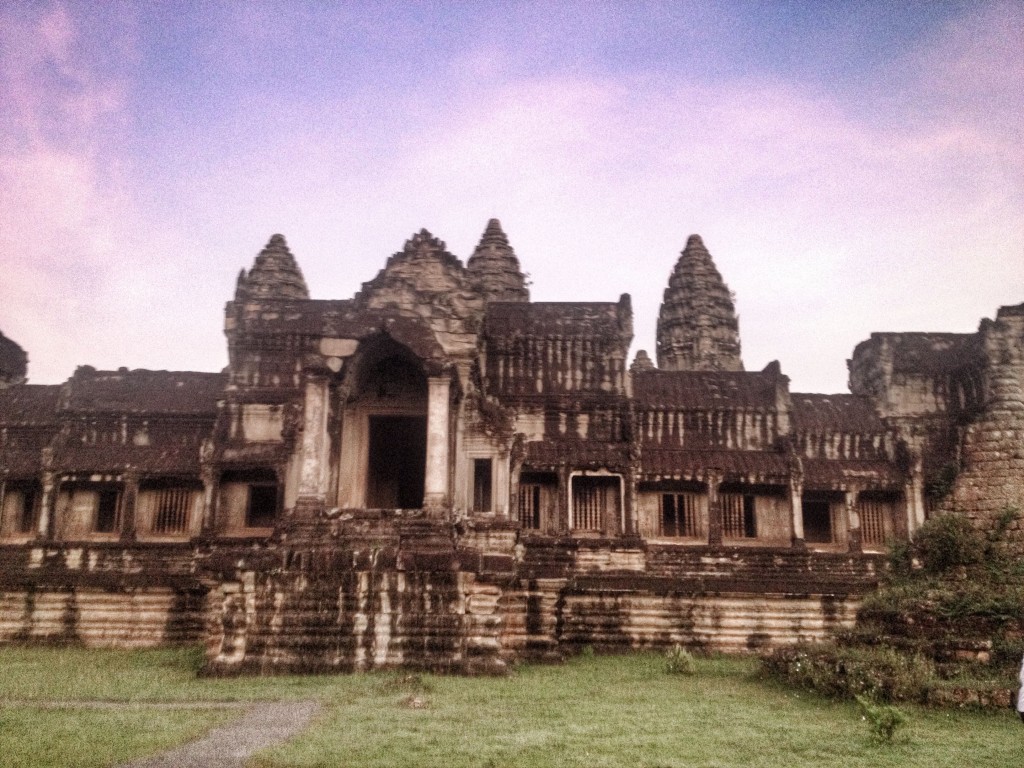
(440, 473)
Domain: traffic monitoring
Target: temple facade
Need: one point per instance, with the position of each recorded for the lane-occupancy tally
(441, 473)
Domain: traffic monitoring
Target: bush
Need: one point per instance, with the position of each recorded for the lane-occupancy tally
(884, 719)
(946, 542)
(846, 672)
(678, 661)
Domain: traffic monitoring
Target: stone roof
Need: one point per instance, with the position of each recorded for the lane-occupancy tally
(164, 459)
(546, 320)
(834, 413)
(927, 354)
(681, 464)
(143, 391)
(579, 454)
(836, 473)
(703, 389)
(29, 404)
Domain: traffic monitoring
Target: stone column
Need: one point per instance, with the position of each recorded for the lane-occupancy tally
(210, 493)
(612, 514)
(562, 512)
(796, 503)
(4, 524)
(129, 498)
(914, 491)
(715, 521)
(436, 494)
(47, 503)
(853, 519)
(315, 469)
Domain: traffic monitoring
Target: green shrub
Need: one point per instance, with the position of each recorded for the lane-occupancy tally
(946, 542)
(882, 673)
(884, 719)
(678, 661)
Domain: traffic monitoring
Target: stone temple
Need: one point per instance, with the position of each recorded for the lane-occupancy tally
(441, 473)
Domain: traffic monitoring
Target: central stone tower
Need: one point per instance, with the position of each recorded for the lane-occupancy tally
(697, 326)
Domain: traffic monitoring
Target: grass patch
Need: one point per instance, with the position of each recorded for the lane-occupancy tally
(625, 711)
(92, 738)
(593, 711)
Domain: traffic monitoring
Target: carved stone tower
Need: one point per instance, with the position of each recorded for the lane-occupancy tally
(697, 326)
(495, 269)
(274, 275)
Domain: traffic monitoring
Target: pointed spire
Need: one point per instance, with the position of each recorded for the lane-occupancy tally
(642, 362)
(495, 269)
(275, 274)
(240, 286)
(697, 326)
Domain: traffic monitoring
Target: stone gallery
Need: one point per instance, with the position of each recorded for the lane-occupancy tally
(441, 473)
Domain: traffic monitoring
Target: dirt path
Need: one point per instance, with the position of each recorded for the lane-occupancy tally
(230, 745)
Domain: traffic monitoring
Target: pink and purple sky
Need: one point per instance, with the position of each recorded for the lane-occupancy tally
(852, 166)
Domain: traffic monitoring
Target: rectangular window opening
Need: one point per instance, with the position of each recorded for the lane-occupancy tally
(261, 511)
(482, 485)
(876, 512)
(592, 498)
(817, 521)
(679, 515)
(172, 510)
(739, 515)
(108, 511)
(27, 513)
(537, 492)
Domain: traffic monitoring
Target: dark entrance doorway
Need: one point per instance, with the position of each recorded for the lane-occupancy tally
(396, 462)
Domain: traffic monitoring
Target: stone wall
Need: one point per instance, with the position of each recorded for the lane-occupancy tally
(100, 596)
(991, 478)
(373, 589)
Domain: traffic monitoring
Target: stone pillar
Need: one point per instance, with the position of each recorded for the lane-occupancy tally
(210, 493)
(715, 522)
(796, 503)
(563, 513)
(853, 519)
(4, 524)
(914, 491)
(436, 493)
(315, 463)
(47, 503)
(129, 499)
(612, 514)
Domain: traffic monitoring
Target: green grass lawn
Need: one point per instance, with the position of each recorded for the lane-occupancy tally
(597, 711)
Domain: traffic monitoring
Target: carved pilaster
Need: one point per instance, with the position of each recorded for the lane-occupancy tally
(129, 500)
(48, 501)
(715, 521)
(853, 519)
(437, 494)
(314, 469)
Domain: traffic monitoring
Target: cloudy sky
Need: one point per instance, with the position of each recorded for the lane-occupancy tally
(851, 166)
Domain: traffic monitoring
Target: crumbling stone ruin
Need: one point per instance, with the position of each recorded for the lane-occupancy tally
(441, 473)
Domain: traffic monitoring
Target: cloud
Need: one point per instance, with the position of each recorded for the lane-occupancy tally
(831, 213)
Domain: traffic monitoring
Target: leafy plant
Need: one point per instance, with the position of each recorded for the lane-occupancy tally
(883, 719)
(948, 541)
(679, 661)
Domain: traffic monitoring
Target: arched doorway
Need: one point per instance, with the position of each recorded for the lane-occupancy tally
(386, 422)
